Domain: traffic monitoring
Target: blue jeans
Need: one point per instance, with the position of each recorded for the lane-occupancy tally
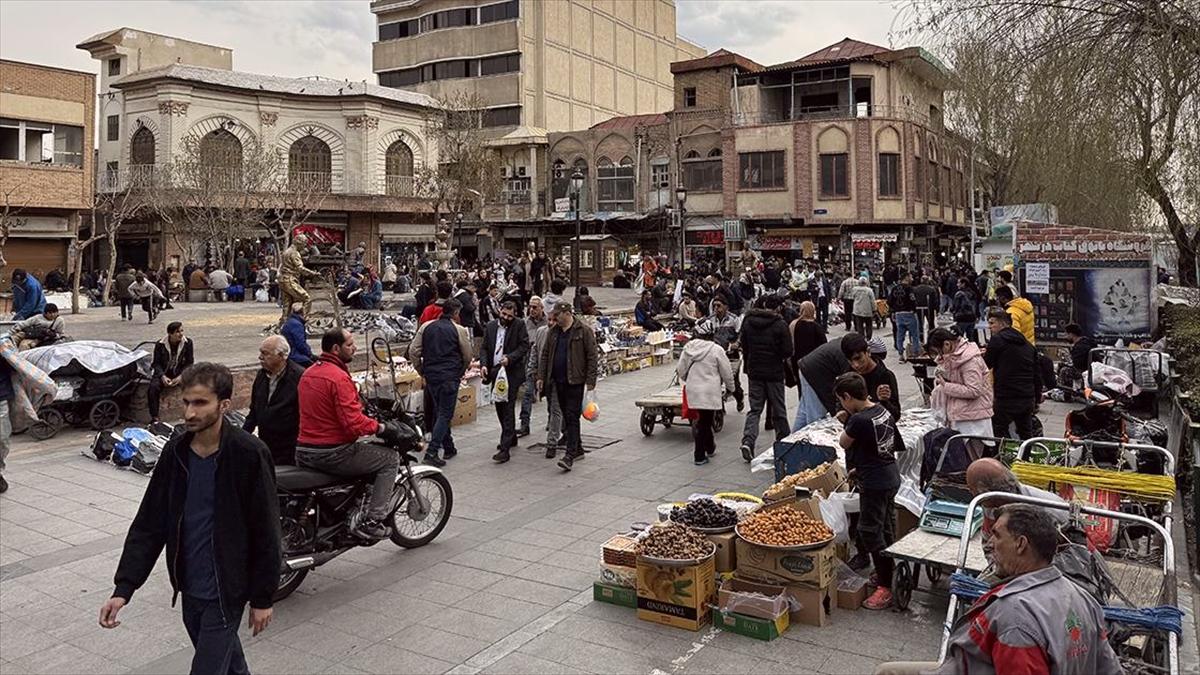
(907, 323)
(445, 397)
(214, 635)
(811, 409)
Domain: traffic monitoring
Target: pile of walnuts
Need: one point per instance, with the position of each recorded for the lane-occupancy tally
(674, 541)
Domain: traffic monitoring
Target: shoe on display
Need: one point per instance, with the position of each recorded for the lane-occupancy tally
(501, 457)
(433, 460)
(880, 599)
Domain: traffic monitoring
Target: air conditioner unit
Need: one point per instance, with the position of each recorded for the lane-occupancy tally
(520, 172)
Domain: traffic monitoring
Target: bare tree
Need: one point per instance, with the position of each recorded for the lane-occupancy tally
(1099, 101)
(108, 212)
(293, 201)
(10, 212)
(467, 171)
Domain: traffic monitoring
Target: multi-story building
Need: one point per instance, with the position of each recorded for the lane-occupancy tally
(536, 67)
(46, 163)
(356, 145)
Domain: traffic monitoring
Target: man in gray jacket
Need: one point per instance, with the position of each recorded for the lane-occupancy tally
(536, 319)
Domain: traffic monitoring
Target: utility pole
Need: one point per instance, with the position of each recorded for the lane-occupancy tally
(971, 260)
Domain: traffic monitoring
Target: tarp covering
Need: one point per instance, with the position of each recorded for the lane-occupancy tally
(97, 356)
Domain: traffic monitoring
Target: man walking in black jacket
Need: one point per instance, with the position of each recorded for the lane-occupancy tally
(766, 345)
(505, 347)
(1016, 384)
(275, 401)
(211, 504)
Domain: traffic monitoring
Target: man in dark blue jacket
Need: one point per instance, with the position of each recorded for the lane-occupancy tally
(211, 505)
(28, 298)
(441, 352)
(293, 330)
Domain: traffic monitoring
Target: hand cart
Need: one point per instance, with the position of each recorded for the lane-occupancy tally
(1149, 650)
(937, 553)
(1147, 368)
(667, 405)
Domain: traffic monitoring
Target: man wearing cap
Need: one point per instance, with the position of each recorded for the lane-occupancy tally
(569, 361)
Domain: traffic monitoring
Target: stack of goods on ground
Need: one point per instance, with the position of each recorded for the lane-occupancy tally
(626, 347)
(138, 448)
(397, 382)
(747, 567)
(392, 327)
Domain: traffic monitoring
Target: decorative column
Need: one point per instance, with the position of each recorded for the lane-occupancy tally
(362, 135)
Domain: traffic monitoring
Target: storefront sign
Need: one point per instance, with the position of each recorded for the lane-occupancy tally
(321, 235)
(562, 204)
(705, 238)
(40, 226)
(887, 237)
(867, 245)
(1111, 249)
(735, 230)
(764, 242)
(1037, 277)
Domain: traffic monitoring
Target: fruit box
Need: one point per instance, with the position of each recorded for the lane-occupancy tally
(614, 595)
(759, 629)
(759, 601)
(676, 596)
(726, 557)
(814, 567)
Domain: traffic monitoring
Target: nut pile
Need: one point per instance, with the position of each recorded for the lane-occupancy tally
(783, 527)
(676, 542)
(705, 513)
(784, 487)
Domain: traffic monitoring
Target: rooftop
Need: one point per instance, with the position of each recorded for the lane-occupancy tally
(718, 59)
(632, 121)
(117, 35)
(294, 86)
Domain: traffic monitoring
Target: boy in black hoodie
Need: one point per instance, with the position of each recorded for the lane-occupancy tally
(1016, 381)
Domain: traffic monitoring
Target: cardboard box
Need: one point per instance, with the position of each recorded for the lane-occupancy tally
(407, 383)
(815, 605)
(760, 601)
(905, 522)
(614, 595)
(675, 596)
(815, 567)
(851, 599)
(759, 629)
(726, 556)
(830, 481)
(466, 408)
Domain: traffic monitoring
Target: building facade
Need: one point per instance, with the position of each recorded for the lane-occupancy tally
(46, 163)
(351, 148)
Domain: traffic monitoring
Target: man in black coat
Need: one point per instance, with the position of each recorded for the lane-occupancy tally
(766, 345)
(274, 400)
(211, 504)
(172, 355)
(1016, 379)
(505, 347)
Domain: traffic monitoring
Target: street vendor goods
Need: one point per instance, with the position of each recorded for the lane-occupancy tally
(785, 487)
(673, 541)
(706, 514)
(783, 527)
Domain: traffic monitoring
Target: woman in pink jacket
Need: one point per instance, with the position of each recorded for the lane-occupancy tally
(961, 388)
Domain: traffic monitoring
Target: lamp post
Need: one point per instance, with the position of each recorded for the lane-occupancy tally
(680, 199)
(458, 218)
(576, 197)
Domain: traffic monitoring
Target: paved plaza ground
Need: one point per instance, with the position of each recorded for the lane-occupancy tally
(507, 588)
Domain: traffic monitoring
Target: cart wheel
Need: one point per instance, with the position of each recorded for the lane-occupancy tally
(668, 420)
(647, 422)
(934, 574)
(48, 424)
(718, 421)
(902, 585)
(104, 415)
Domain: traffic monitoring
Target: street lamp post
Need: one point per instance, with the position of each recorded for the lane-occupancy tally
(680, 199)
(576, 197)
(458, 218)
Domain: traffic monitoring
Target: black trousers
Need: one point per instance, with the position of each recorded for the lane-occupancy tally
(877, 530)
(823, 311)
(506, 412)
(702, 433)
(126, 307)
(863, 326)
(570, 403)
(1018, 413)
(214, 635)
(154, 395)
(848, 314)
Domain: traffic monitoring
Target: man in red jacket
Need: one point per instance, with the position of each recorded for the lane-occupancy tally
(331, 423)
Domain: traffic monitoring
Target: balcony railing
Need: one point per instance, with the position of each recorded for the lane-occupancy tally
(221, 179)
(514, 196)
(813, 114)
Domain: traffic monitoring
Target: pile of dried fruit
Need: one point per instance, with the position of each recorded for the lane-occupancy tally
(783, 527)
(785, 487)
(705, 513)
(675, 542)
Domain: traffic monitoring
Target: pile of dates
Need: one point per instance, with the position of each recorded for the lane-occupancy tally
(705, 513)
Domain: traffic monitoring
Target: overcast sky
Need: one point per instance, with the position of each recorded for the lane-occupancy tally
(333, 37)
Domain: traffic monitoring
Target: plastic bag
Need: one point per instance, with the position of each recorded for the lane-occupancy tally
(591, 408)
(261, 295)
(834, 514)
(500, 385)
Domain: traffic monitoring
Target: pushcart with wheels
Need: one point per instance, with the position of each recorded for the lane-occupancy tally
(936, 553)
(666, 407)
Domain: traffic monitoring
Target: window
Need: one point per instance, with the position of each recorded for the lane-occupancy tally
(494, 65)
(447, 70)
(935, 182)
(114, 67)
(614, 185)
(689, 97)
(948, 196)
(702, 174)
(585, 258)
(762, 170)
(500, 12)
(310, 163)
(834, 182)
(660, 174)
(889, 174)
(41, 142)
(919, 183)
(450, 18)
(141, 148)
(221, 161)
(114, 128)
(502, 117)
(400, 29)
(112, 174)
(610, 259)
(399, 167)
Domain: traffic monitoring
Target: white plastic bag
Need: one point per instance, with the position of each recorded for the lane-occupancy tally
(834, 515)
(500, 385)
(261, 295)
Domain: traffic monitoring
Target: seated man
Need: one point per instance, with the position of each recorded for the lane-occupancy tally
(294, 332)
(1081, 351)
(331, 423)
(40, 329)
(172, 355)
(1037, 621)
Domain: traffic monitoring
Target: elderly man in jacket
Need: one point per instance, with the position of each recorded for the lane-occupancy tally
(275, 400)
(568, 361)
(441, 352)
(505, 348)
(766, 346)
(1037, 621)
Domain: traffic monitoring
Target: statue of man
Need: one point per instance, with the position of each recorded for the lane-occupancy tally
(291, 272)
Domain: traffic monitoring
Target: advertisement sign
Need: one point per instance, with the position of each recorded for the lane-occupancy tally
(704, 238)
(1037, 277)
(562, 204)
(1109, 303)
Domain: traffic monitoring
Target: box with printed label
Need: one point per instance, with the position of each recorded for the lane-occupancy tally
(815, 567)
(726, 557)
(466, 406)
(614, 595)
(759, 629)
(674, 595)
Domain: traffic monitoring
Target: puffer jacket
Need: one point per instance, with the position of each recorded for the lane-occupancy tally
(1021, 311)
(966, 393)
(704, 369)
(766, 345)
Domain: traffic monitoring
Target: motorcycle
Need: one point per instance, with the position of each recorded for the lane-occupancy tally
(318, 512)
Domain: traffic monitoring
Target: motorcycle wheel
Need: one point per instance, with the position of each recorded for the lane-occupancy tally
(412, 533)
(289, 581)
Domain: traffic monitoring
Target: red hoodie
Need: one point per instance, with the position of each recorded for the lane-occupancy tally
(330, 411)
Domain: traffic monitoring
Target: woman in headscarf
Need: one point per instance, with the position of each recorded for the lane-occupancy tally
(807, 335)
(703, 370)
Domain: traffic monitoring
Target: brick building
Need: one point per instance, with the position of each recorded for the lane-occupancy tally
(46, 162)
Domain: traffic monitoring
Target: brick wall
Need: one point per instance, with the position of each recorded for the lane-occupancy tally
(864, 171)
(729, 173)
(802, 170)
(712, 88)
(1042, 242)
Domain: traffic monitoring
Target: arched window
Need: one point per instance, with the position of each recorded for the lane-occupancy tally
(310, 164)
(702, 174)
(399, 166)
(935, 174)
(220, 161)
(614, 185)
(141, 147)
(692, 154)
(715, 152)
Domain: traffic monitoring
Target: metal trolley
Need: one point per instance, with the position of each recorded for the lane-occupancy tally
(1165, 660)
(666, 406)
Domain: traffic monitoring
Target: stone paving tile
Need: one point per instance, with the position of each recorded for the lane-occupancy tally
(273, 657)
(433, 591)
(531, 591)
(519, 663)
(371, 626)
(384, 658)
(437, 643)
(588, 656)
(397, 604)
(321, 640)
(516, 550)
(502, 607)
(65, 658)
(468, 624)
(458, 575)
(541, 539)
(557, 576)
